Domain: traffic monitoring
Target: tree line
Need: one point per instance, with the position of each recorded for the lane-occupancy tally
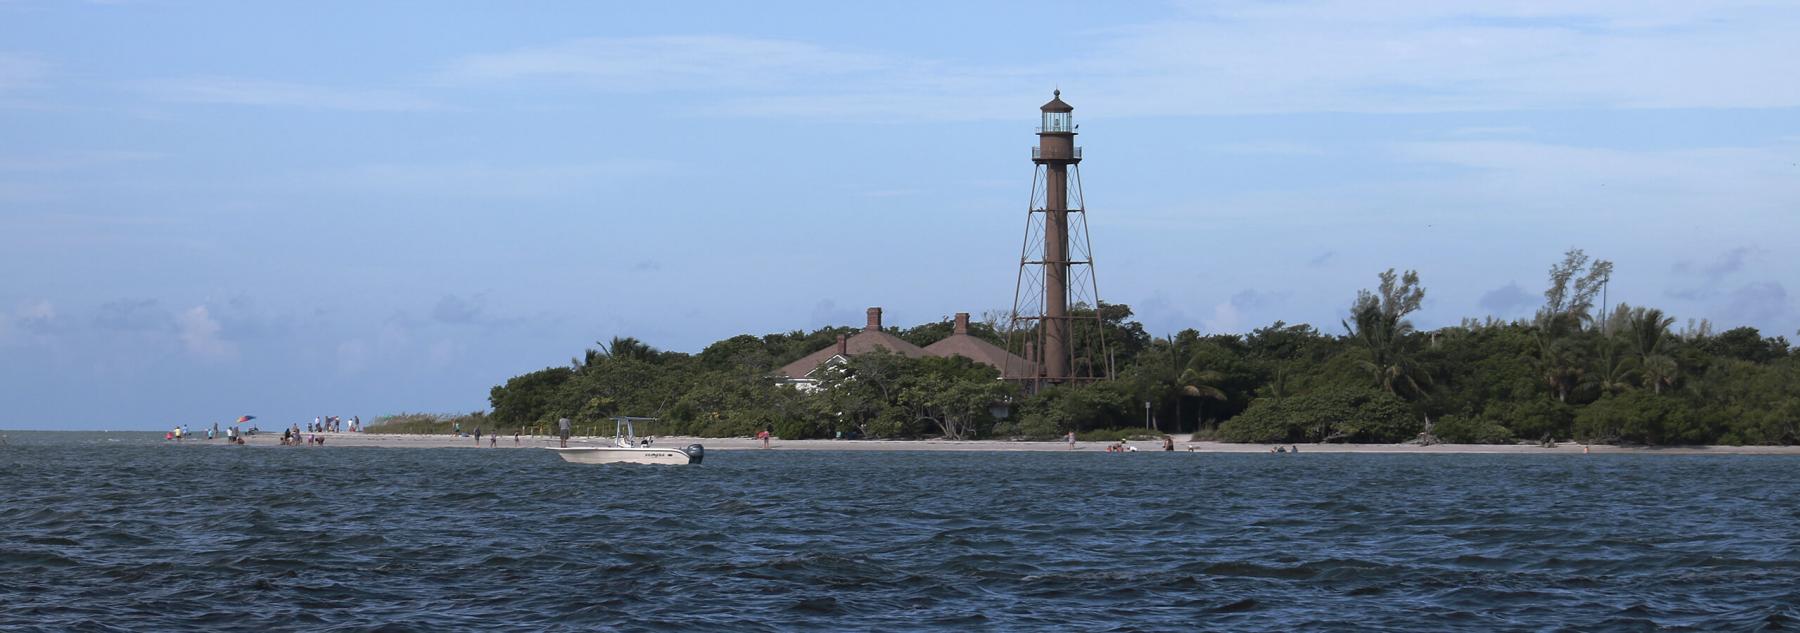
(1574, 370)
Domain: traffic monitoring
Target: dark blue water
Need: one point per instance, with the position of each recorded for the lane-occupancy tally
(137, 535)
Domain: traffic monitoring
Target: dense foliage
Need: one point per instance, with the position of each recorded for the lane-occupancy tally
(1569, 372)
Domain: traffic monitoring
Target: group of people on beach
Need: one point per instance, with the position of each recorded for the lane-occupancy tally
(333, 424)
(1122, 446)
(292, 436)
(494, 438)
(231, 434)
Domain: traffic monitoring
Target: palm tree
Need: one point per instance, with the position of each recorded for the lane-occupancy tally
(1278, 384)
(1650, 334)
(1198, 383)
(1660, 371)
(1613, 371)
(1558, 364)
(1649, 328)
(627, 347)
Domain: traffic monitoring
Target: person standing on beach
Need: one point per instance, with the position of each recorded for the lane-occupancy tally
(562, 428)
(515, 437)
(1071, 440)
(478, 437)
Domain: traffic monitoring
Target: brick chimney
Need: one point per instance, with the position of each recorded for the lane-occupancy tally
(962, 323)
(843, 345)
(874, 320)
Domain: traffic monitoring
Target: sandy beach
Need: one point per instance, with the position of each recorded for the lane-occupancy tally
(1181, 445)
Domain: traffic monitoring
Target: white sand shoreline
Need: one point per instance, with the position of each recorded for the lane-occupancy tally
(1181, 446)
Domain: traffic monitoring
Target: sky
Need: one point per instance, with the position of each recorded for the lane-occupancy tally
(291, 209)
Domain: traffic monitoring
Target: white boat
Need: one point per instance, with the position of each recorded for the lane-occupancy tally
(626, 448)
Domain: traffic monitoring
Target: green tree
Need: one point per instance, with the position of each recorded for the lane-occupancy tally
(1568, 307)
(1650, 333)
(1198, 382)
(1379, 326)
(1337, 415)
(1614, 371)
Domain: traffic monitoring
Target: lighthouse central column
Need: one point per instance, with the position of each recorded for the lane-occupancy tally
(1056, 267)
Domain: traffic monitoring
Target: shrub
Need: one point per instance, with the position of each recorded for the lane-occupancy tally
(1535, 418)
(1337, 415)
(1032, 426)
(892, 422)
(1114, 435)
(797, 430)
(1460, 429)
(1639, 417)
(429, 423)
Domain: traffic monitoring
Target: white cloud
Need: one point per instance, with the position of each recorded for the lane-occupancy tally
(1726, 185)
(32, 321)
(442, 353)
(352, 356)
(1214, 58)
(1337, 55)
(19, 71)
(629, 64)
(482, 179)
(73, 160)
(38, 316)
(257, 92)
(1225, 318)
(199, 334)
(1758, 303)
(1271, 148)
(1234, 58)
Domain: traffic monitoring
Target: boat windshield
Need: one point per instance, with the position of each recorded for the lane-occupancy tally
(624, 432)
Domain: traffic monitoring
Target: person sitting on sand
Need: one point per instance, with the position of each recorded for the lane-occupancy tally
(1168, 443)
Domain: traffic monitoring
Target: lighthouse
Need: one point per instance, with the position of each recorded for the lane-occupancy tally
(1056, 267)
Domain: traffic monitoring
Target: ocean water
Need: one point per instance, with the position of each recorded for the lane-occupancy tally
(124, 532)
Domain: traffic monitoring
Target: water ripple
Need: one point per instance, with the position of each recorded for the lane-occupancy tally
(139, 535)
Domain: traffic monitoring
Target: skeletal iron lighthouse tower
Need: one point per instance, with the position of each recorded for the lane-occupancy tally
(1056, 323)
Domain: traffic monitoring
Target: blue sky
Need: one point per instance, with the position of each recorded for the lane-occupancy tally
(298, 209)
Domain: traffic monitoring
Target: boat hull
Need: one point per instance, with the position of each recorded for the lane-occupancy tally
(610, 455)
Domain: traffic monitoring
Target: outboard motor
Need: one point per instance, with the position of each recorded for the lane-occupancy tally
(695, 453)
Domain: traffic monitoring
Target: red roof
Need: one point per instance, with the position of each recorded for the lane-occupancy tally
(862, 343)
(979, 351)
